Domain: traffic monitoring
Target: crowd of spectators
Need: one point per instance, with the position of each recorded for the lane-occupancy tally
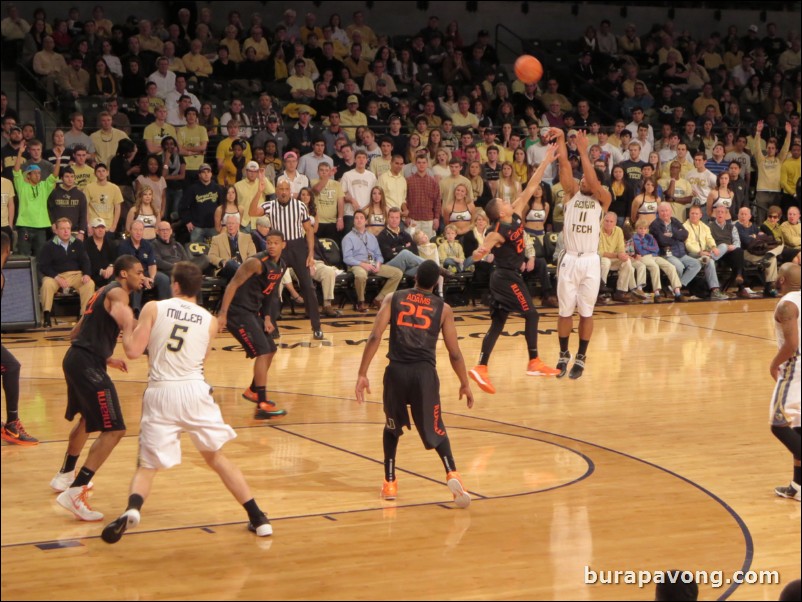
(186, 122)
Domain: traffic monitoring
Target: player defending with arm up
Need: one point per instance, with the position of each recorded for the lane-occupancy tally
(508, 292)
(579, 270)
(416, 317)
(245, 311)
(178, 336)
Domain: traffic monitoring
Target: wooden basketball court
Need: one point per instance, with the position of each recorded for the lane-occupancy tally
(660, 457)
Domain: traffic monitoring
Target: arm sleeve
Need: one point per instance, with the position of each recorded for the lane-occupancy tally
(46, 261)
(83, 257)
(349, 257)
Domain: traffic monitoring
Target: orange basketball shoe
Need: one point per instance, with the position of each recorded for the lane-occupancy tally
(480, 377)
(536, 367)
(461, 497)
(389, 490)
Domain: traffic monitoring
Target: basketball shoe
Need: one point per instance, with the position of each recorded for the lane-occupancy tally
(63, 480)
(261, 526)
(461, 497)
(536, 367)
(15, 433)
(267, 410)
(562, 363)
(75, 500)
(479, 375)
(791, 491)
(113, 532)
(389, 490)
(579, 366)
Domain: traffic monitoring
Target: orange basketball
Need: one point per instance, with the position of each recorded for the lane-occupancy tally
(528, 69)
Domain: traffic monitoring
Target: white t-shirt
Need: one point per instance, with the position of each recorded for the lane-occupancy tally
(358, 185)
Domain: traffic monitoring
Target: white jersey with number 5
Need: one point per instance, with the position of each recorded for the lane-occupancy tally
(582, 225)
(178, 341)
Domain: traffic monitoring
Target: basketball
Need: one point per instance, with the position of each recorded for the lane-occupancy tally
(528, 69)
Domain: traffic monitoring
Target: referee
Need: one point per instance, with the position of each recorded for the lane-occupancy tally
(291, 217)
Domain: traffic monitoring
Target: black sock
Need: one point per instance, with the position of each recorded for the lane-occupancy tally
(11, 370)
(493, 333)
(444, 451)
(261, 394)
(583, 347)
(253, 510)
(390, 442)
(69, 463)
(135, 502)
(563, 344)
(84, 476)
(530, 333)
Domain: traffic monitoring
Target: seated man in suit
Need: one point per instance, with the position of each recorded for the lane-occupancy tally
(64, 264)
(230, 248)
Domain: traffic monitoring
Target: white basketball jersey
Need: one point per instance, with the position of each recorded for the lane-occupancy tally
(178, 341)
(796, 299)
(582, 224)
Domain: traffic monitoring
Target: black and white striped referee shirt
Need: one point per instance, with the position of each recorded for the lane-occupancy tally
(288, 218)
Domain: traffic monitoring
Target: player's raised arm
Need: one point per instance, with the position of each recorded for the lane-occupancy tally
(251, 267)
(492, 239)
(567, 180)
(135, 341)
(599, 192)
(372, 346)
(519, 204)
(455, 354)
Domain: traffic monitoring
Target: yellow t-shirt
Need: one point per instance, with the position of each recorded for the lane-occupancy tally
(101, 200)
(326, 201)
(224, 151)
(192, 136)
(155, 132)
(611, 243)
(245, 193)
(83, 176)
(106, 145)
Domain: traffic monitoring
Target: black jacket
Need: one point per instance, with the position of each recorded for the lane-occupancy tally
(54, 260)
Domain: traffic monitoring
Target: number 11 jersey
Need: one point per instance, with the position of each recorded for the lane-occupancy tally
(414, 326)
(178, 341)
(582, 225)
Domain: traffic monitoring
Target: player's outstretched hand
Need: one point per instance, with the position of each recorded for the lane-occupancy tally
(555, 134)
(269, 326)
(466, 391)
(362, 386)
(582, 142)
(113, 362)
(221, 321)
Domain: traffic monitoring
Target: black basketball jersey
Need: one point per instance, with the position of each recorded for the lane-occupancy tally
(511, 253)
(99, 330)
(414, 326)
(253, 295)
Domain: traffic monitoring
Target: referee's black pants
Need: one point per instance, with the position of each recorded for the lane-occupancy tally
(295, 257)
